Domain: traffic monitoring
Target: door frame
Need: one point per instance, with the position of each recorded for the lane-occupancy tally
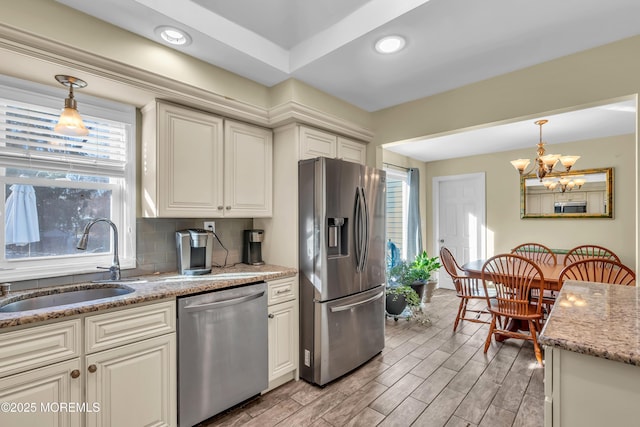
(436, 180)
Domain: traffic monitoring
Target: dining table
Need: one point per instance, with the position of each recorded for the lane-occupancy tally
(551, 273)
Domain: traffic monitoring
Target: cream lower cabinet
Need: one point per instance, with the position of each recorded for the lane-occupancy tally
(125, 376)
(283, 331)
(34, 398)
(588, 391)
(133, 384)
(198, 165)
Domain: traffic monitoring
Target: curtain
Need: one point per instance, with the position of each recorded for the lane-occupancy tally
(414, 232)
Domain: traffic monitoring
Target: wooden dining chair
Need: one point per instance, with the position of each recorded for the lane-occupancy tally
(536, 252)
(598, 270)
(467, 289)
(515, 279)
(589, 251)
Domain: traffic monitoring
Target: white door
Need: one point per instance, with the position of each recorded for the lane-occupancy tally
(459, 215)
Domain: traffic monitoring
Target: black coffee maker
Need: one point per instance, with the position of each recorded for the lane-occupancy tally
(252, 248)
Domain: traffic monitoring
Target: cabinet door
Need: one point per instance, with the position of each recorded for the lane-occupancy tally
(315, 143)
(283, 339)
(533, 203)
(546, 203)
(189, 163)
(33, 398)
(135, 384)
(352, 151)
(248, 178)
(595, 202)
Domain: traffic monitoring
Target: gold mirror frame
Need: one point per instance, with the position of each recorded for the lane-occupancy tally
(594, 199)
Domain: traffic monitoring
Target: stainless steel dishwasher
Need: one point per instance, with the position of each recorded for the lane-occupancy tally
(222, 350)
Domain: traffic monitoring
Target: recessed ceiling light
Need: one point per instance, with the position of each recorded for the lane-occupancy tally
(390, 44)
(173, 35)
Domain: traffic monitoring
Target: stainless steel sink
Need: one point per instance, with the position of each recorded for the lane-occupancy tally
(63, 298)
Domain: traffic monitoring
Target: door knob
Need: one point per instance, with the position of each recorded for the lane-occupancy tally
(92, 368)
(228, 208)
(75, 373)
(220, 207)
(271, 316)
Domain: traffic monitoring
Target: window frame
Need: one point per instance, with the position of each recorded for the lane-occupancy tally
(401, 175)
(123, 199)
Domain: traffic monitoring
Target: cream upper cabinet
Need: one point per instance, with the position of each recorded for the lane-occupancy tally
(316, 143)
(248, 177)
(182, 162)
(195, 165)
(351, 151)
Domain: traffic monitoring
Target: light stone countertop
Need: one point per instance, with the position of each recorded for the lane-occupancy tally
(597, 319)
(147, 288)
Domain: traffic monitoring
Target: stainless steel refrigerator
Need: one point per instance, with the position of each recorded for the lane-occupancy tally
(342, 268)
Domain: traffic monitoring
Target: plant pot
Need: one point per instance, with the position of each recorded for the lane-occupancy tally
(395, 308)
(425, 289)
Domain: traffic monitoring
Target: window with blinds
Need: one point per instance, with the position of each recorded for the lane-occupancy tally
(397, 209)
(53, 184)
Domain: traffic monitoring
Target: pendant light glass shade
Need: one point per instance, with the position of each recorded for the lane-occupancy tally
(70, 123)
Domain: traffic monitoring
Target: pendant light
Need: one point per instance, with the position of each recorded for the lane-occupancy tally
(70, 122)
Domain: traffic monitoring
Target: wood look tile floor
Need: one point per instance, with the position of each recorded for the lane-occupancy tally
(425, 376)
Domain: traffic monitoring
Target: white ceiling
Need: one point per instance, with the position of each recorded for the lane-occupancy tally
(328, 44)
(588, 123)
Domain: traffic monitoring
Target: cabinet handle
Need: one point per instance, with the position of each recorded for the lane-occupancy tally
(228, 208)
(220, 207)
(283, 291)
(75, 373)
(92, 368)
(271, 316)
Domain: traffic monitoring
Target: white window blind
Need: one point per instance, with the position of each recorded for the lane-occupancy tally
(26, 132)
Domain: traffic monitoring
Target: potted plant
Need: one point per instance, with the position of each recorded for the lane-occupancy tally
(399, 293)
(421, 272)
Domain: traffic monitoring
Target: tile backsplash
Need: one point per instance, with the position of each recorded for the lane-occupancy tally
(156, 249)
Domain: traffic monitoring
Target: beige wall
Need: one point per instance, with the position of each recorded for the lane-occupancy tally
(590, 77)
(505, 227)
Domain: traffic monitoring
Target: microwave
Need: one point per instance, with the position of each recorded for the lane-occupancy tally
(570, 207)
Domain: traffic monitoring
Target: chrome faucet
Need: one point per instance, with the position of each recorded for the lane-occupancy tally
(114, 270)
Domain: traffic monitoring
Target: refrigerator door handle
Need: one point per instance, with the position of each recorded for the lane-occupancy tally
(356, 304)
(357, 230)
(365, 242)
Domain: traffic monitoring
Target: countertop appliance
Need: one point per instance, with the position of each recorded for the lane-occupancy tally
(341, 265)
(252, 247)
(222, 350)
(194, 248)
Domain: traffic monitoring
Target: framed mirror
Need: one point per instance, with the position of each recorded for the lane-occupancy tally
(575, 194)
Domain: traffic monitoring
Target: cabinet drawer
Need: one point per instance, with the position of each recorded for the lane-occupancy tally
(113, 329)
(282, 290)
(39, 346)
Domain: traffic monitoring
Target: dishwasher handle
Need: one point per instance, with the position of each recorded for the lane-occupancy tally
(355, 304)
(223, 303)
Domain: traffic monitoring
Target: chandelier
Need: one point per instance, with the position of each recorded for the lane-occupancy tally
(544, 163)
(563, 184)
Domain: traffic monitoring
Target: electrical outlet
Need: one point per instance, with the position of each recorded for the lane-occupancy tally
(307, 358)
(210, 226)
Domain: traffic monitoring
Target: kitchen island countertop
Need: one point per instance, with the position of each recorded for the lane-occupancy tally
(146, 288)
(596, 319)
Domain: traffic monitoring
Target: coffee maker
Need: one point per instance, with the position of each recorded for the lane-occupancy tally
(194, 248)
(252, 250)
